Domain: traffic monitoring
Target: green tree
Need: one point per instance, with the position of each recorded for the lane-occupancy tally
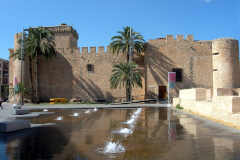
(126, 75)
(128, 42)
(39, 42)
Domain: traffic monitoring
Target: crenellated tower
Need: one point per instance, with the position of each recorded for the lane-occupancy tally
(225, 63)
(65, 36)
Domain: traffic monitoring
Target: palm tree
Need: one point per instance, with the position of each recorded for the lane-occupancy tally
(126, 75)
(38, 42)
(128, 42)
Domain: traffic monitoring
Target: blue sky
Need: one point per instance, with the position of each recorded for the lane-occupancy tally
(97, 21)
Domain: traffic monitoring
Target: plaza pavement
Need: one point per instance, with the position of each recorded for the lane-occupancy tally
(89, 106)
(8, 113)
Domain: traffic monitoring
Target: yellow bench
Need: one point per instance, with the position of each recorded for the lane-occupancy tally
(58, 100)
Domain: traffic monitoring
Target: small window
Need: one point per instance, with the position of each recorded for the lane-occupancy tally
(178, 74)
(90, 67)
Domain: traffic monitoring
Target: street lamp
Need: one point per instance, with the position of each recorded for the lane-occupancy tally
(131, 48)
(22, 59)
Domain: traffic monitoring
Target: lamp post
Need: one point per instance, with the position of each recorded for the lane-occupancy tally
(22, 65)
(131, 45)
(22, 59)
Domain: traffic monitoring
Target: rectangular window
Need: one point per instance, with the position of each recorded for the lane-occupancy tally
(178, 74)
(90, 67)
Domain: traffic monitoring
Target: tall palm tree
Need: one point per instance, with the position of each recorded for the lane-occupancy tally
(126, 75)
(128, 42)
(39, 42)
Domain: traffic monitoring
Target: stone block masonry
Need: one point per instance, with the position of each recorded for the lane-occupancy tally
(224, 109)
(192, 58)
(84, 72)
(71, 77)
(75, 72)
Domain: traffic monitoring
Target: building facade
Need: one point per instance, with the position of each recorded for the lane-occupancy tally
(4, 66)
(85, 72)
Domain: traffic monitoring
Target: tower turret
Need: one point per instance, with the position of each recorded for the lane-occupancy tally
(225, 63)
(65, 36)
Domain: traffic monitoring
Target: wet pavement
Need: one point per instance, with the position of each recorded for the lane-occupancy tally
(121, 134)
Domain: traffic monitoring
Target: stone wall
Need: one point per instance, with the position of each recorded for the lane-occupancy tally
(222, 109)
(196, 94)
(196, 100)
(225, 63)
(193, 57)
(229, 104)
(67, 75)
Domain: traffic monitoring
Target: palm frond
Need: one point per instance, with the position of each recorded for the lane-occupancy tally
(121, 42)
(125, 75)
(39, 42)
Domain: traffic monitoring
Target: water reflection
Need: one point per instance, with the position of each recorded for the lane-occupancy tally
(75, 114)
(43, 143)
(10, 139)
(157, 133)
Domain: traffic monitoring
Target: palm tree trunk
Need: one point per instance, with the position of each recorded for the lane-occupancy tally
(37, 98)
(130, 47)
(130, 56)
(128, 93)
(31, 77)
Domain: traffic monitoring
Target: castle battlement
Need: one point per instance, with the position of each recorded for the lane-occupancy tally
(101, 50)
(63, 28)
(179, 37)
(94, 50)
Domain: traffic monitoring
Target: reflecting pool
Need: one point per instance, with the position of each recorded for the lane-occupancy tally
(121, 134)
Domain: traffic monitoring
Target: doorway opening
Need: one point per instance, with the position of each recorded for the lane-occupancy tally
(162, 92)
